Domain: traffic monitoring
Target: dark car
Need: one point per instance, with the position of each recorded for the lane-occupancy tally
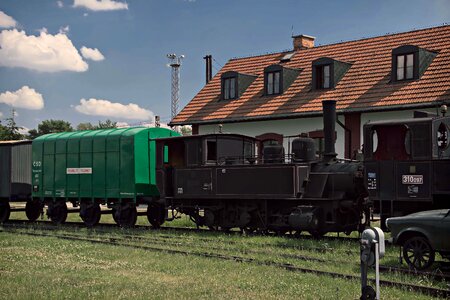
(421, 235)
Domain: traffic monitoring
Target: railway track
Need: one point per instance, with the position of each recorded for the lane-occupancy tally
(162, 244)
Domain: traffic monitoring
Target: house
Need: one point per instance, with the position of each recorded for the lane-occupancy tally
(280, 94)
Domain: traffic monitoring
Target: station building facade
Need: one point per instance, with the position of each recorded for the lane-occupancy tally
(279, 95)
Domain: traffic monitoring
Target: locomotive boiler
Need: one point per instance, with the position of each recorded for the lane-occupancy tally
(221, 182)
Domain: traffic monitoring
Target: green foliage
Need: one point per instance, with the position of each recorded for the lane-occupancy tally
(10, 131)
(50, 126)
(85, 126)
(107, 124)
(101, 125)
(186, 130)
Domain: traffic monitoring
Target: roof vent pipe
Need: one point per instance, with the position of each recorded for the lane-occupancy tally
(329, 123)
(208, 60)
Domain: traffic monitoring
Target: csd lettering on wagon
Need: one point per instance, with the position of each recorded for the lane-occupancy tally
(412, 179)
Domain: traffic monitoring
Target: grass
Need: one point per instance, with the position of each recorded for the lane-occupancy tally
(51, 268)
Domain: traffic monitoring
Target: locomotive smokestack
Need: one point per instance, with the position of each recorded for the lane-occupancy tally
(329, 121)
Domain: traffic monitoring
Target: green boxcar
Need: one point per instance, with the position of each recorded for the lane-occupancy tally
(101, 165)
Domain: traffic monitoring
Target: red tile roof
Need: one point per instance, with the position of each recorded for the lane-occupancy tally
(365, 86)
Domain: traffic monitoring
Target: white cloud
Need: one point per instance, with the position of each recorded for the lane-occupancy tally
(6, 21)
(99, 5)
(93, 54)
(64, 30)
(106, 108)
(45, 53)
(24, 97)
(85, 14)
(60, 4)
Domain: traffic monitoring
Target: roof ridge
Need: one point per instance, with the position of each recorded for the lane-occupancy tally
(445, 24)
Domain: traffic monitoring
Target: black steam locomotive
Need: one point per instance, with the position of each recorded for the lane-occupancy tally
(218, 180)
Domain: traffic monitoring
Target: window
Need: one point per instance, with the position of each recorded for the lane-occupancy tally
(323, 77)
(273, 83)
(211, 151)
(229, 88)
(405, 66)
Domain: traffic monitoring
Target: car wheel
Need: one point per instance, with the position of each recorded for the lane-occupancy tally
(418, 253)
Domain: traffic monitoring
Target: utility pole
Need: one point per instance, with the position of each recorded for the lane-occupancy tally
(175, 64)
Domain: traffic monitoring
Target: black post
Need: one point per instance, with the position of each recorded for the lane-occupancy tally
(329, 121)
(208, 73)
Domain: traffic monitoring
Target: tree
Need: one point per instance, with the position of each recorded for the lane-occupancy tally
(101, 125)
(10, 131)
(50, 126)
(186, 130)
(107, 124)
(86, 126)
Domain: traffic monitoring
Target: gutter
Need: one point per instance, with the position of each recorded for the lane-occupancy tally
(312, 114)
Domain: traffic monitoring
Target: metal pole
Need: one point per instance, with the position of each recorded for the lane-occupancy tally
(377, 269)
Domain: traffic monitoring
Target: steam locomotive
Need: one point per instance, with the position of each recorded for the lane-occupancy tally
(218, 181)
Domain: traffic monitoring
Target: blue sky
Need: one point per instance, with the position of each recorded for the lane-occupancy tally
(135, 39)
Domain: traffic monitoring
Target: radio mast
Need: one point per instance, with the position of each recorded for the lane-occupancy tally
(175, 64)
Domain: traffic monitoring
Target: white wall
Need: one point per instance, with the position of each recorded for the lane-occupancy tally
(285, 127)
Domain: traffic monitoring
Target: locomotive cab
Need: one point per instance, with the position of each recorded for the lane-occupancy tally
(407, 164)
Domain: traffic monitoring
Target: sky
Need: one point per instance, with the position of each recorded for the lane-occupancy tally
(92, 60)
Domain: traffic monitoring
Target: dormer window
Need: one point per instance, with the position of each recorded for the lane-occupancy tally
(234, 84)
(277, 79)
(273, 83)
(323, 77)
(326, 72)
(409, 62)
(229, 88)
(405, 66)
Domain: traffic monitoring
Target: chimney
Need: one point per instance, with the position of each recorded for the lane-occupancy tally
(303, 41)
(208, 59)
(329, 121)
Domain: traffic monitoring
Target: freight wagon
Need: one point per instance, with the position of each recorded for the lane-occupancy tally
(113, 167)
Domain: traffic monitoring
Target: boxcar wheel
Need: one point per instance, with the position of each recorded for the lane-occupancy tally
(33, 209)
(156, 215)
(57, 212)
(418, 253)
(90, 213)
(5, 211)
(126, 215)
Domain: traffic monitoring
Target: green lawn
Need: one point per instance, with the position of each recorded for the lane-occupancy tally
(52, 268)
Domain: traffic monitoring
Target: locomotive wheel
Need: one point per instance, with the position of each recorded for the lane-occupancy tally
(418, 253)
(90, 213)
(316, 234)
(156, 215)
(33, 209)
(126, 215)
(5, 211)
(57, 212)
(248, 230)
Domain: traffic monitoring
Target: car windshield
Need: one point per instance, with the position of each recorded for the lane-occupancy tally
(447, 214)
